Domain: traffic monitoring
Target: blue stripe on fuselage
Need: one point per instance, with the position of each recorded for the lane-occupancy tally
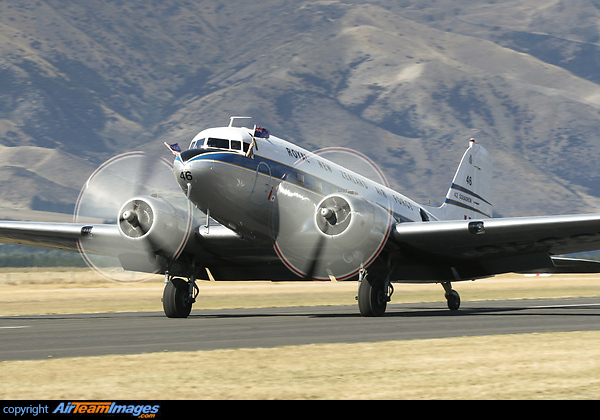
(279, 171)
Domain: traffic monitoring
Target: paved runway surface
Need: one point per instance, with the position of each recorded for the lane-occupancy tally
(41, 337)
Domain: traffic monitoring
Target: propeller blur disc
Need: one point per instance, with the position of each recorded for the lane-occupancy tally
(358, 162)
(103, 195)
(322, 232)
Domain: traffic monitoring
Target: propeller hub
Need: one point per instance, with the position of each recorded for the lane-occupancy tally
(129, 216)
(137, 218)
(333, 215)
(329, 215)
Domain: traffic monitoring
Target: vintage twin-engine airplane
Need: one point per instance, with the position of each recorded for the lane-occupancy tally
(285, 213)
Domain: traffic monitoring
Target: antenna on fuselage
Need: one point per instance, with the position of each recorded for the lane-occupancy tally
(231, 119)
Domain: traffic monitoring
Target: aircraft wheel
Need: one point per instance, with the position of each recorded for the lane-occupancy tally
(176, 300)
(372, 298)
(453, 299)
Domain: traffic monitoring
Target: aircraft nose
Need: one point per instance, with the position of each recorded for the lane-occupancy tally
(191, 172)
(183, 174)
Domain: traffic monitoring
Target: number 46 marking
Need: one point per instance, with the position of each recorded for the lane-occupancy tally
(186, 175)
(469, 180)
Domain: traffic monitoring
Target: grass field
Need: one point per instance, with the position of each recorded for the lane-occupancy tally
(523, 366)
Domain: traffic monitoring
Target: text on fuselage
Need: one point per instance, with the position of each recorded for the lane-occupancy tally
(297, 155)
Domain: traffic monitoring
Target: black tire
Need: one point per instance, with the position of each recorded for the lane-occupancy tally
(372, 300)
(453, 299)
(176, 302)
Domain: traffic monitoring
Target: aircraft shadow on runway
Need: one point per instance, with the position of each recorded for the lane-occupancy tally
(394, 311)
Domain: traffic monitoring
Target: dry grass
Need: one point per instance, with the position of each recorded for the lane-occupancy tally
(528, 366)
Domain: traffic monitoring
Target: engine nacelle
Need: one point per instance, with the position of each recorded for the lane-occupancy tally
(352, 224)
(154, 224)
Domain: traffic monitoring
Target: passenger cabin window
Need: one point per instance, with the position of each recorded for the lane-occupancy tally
(318, 186)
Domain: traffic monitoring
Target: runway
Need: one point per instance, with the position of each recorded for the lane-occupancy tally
(81, 335)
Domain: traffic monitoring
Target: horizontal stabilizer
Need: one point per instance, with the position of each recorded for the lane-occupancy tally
(570, 265)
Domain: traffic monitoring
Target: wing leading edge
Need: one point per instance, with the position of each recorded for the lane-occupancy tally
(61, 236)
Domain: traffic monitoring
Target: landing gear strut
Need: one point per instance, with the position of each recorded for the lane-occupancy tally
(373, 294)
(178, 296)
(452, 296)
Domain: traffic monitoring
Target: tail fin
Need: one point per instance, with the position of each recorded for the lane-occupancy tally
(470, 194)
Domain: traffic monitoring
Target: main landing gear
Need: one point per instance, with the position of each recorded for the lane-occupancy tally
(374, 293)
(178, 296)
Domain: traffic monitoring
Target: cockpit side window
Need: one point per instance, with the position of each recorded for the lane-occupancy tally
(197, 144)
(236, 145)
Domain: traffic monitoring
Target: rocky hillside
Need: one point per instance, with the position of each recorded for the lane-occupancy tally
(407, 83)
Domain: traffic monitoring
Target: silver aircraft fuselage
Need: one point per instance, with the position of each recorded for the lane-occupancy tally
(238, 190)
(244, 183)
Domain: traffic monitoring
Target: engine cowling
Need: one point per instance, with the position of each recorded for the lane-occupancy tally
(156, 225)
(323, 237)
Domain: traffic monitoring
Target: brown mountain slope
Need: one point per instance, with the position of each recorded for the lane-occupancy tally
(406, 84)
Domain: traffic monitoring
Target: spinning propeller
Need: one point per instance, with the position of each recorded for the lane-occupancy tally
(136, 191)
(326, 234)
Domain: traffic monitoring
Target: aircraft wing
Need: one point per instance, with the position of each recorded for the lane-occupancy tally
(228, 255)
(493, 246)
(62, 236)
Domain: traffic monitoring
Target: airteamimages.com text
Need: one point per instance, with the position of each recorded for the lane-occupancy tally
(84, 407)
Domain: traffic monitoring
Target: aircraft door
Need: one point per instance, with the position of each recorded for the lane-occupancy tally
(262, 190)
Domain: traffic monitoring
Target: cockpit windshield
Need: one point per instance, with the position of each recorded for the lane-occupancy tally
(221, 144)
(217, 143)
(239, 140)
